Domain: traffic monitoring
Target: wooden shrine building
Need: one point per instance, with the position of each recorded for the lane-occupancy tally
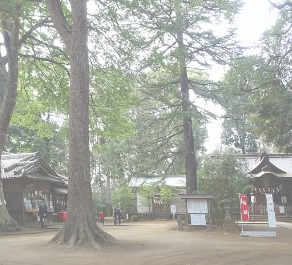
(270, 174)
(28, 181)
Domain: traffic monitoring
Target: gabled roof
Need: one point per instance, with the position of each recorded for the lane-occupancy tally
(263, 165)
(281, 161)
(176, 181)
(28, 165)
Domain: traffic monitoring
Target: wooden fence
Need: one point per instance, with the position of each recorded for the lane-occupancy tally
(261, 210)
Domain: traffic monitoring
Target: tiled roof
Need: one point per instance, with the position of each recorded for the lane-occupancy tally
(176, 181)
(29, 165)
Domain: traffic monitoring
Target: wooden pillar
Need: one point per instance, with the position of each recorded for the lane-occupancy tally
(187, 215)
(23, 207)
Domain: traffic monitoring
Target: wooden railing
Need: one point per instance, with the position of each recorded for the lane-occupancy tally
(261, 210)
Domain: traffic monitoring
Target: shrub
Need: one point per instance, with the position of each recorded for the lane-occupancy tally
(134, 218)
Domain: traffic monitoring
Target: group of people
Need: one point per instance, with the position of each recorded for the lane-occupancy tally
(117, 216)
(43, 214)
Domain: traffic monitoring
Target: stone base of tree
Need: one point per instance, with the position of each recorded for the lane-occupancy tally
(82, 232)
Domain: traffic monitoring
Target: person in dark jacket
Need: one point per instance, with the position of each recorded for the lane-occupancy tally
(41, 214)
(118, 216)
(45, 215)
(115, 216)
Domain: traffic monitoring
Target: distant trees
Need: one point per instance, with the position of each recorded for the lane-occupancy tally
(223, 174)
(265, 81)
(124, 197)
(235, 124)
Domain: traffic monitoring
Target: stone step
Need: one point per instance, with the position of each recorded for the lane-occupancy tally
(264, 218)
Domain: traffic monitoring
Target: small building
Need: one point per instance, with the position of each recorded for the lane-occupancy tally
(28, 181)
(158, 209)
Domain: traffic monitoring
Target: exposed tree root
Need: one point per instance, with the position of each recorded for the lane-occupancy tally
(82, 232)
(8, 224)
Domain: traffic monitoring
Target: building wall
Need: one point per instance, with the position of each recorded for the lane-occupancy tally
(11, 185)
(142, 208)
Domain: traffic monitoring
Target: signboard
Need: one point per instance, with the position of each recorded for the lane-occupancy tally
(258, 234)
(172, 208)
(281, 209)
(197, 206)
(198, 219)
(244, 207)
(271, 211)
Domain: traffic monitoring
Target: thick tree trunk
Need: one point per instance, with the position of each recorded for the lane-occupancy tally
(80, 227)
(8, 93)
(190, 162)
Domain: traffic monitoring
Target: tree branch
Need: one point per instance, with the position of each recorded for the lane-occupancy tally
(288, 3)
(59, 21)
(44, 60)
(28, 33)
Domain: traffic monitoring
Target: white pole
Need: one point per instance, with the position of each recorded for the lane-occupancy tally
(240, 213)
(173, 221)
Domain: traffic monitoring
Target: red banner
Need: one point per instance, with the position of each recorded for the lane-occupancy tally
(244, 207)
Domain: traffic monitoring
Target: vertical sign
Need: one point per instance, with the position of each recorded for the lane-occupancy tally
(271, 211)
(51, 200)
(173, 208)
(244, 207)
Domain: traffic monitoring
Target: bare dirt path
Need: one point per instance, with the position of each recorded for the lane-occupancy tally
(153, 243)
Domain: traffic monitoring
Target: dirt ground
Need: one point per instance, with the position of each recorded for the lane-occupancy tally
(152, 243)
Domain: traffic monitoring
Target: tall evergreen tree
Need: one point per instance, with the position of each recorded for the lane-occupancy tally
(175, 34)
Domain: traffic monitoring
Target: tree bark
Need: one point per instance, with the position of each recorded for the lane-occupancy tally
(190, 162)
(8, 94)
(80, 227)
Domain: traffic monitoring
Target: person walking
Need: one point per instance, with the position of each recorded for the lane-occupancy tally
(115, 216)
(101, 217)
(118, 215)
(45, 216)
(41, 213)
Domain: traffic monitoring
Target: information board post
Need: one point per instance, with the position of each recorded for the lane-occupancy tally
(196, 208)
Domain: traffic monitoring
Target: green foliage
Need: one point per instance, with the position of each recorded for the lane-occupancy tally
(98, 201)
(134, 218)
(265, 81)
(235, 124)
(54, 150)
(124, 197)
(167, 196)
(147, 193)
(272, 118)
(221, 173)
